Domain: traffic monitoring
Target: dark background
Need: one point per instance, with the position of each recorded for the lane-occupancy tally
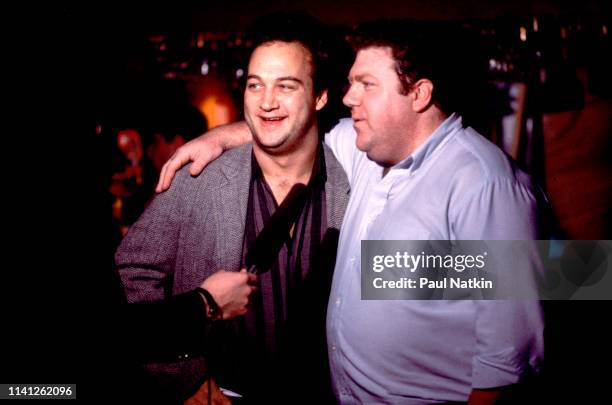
(57, 282)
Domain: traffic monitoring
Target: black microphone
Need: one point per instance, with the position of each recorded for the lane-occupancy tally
(268, 243)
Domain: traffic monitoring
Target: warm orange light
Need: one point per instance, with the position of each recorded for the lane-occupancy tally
(211, 95)
(523, 34)
(200, 42)
(216, 111)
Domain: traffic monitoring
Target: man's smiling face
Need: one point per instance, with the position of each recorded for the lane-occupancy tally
(279, 99)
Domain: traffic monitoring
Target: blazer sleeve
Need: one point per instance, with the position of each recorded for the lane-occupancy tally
(165, 334)
(146, 257)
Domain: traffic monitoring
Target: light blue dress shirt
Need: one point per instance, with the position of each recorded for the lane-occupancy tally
(456, 186)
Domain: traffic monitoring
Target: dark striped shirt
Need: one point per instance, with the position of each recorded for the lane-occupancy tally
(282, 335)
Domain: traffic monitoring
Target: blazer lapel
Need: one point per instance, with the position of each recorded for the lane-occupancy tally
(337, 190)
(230, 201)
(230, 206)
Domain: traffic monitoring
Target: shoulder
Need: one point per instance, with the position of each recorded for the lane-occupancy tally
(233, 159)
(479, 159)
(230, 164)
(343, 133)
(335, 171)
(331, 163)
(483, 177)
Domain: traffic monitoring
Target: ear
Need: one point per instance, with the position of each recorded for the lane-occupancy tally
(422, 93)
(321, 100)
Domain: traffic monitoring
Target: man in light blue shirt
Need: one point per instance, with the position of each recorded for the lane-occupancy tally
(456, 185)
(417, 174)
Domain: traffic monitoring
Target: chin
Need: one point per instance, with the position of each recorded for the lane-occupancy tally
(269, 140)
(270, 145)
(273, 143)
(362, 146)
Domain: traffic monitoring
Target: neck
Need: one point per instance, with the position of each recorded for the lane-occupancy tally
(283, 170)
(424, 127)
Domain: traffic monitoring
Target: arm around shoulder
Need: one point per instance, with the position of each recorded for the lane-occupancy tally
(203, 150)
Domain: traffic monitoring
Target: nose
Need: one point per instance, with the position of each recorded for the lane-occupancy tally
(269, 101)
(351, 98)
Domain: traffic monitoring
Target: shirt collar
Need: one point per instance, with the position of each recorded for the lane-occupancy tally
(416, 159)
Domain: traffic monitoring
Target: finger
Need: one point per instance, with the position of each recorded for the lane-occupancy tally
(243, 270)
(173, 166)
(244, 276)
(252, 278)
(178, 160)
(163, 174)
(197, 166)
(160, 182)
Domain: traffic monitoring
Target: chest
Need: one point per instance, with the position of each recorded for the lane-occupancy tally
(403, 206)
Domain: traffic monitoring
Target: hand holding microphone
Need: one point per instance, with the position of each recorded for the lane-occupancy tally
(231, 291)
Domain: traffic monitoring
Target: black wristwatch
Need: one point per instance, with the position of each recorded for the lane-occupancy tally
(214, 312)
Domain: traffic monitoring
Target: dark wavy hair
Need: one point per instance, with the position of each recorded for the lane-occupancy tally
(422, 50)
(330, 55)
(300, 27)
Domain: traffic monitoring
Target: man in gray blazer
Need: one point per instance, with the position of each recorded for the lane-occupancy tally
(207, 223)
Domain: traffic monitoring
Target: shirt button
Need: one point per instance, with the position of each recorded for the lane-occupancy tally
(338, 301)
(333, 348)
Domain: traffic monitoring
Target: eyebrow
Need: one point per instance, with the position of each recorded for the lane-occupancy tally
(359, 77)
(290, 78)
(279, 79)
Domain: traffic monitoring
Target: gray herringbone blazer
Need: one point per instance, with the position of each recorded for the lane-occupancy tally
(194, 229)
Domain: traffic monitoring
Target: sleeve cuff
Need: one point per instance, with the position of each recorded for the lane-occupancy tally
(491, 373)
